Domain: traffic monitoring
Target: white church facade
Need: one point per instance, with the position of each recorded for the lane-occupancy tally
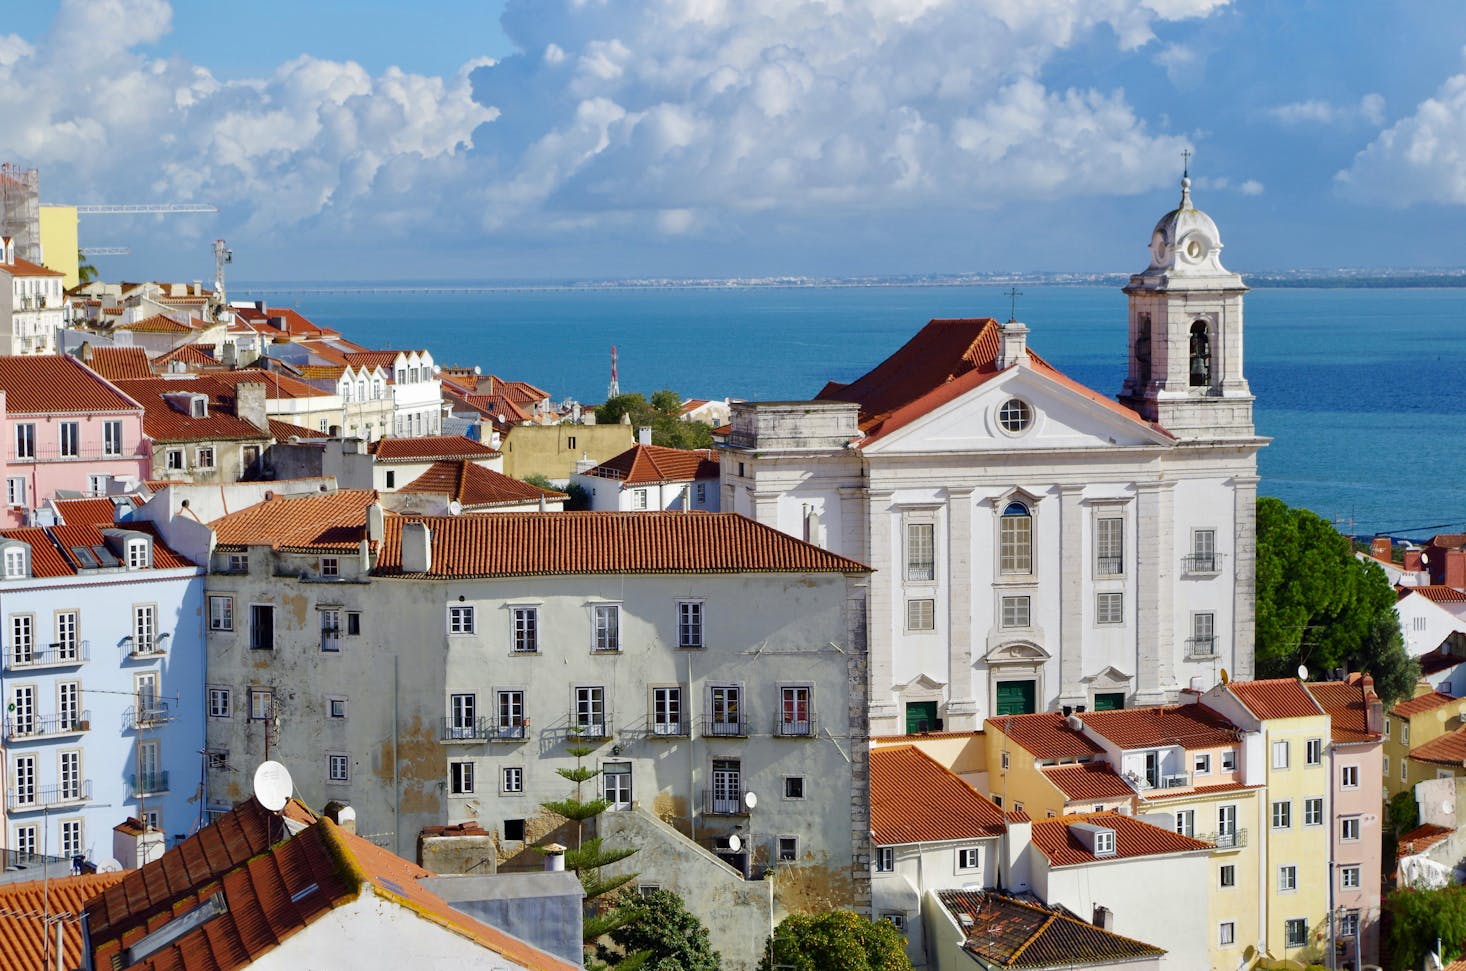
(1036, 544)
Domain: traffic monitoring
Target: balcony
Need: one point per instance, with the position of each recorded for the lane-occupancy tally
(1200, 647)
(148, 783)
(36, 798)
(1180, 780)
(140, 648)
(24, 728)
(724, 802)
(482, 730)
(597, 725)
(86, 453)
(726, 726)
(1201, 564)
(1109, 566)
(331, 640)
(147, 715)
(57, 655)
(1226, 839)
(670, 728)
(788, 726)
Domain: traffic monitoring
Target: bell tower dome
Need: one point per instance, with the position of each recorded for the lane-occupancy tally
(1186, 332)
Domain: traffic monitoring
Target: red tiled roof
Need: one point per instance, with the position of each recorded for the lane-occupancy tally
(652, 464)
(475, 486)
(1220, 789)
(1088, 780)
(1435, 662)
(48, 561)
(119, 363)
(1421, 838)
(1044, 735)
(381, 359)
(520, 391)
(1449, 749)
(1275, 698)
(23, 267)
(1448, 541)
(331, 521)
(914, 799)
(430, 447)
(55, 383)
(283, 431)
(163, 423)
(561, 543)
(1012, 932)
(295, 324)
(1191, 726)
(1133, 837)
(27, 940)
(496, 407)
(157, 324)
(1438, 593)
(86, 512)
(190, 355)
(277, 386)
(945, 359)
(1347, 704)
(1420, 704)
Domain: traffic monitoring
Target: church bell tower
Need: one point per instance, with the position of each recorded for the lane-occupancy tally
(1186, 332)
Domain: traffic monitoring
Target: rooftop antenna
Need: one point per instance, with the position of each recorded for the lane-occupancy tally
(615, 389)
(1013, 294)
(222, 255)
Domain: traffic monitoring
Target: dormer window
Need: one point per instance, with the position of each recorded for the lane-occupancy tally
(198, 406)
(1104, 842)
(139, 554)
(17, 561)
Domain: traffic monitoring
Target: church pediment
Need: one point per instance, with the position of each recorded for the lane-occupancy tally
(1016, 652)
(922, 683)
(1111, 678)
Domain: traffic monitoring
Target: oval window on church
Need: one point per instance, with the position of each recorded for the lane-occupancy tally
(1015, 415)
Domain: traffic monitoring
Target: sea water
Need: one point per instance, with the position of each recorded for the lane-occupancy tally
(1361, 390)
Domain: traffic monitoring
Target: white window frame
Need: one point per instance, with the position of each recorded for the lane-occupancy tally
(1349, 777)
(1015, 540)
(68, 439)
(15, 491)
(1229, 760)
(669, 710)
(173, 460)
(139, 554)
(1300, 939)
(1015, 612)
(1350, 877)
(606, 628)
(203, 456)
(112, 438)
(1281, 754)
(690, 624)
(921, 552)
(1313, 811)
(1201, 763)
(460, 619)
(338, 768)
(221, 612)
(1226, 933)
(1313, 752)
(220, 701)
(1109, 546)
(1288, 878)
(336, 706)
(460, 777)
(921, 614)
(1109, 608)
(524, 623)
(511, 780)
(1227, 876)
(1186, 822)
(261, 704)
(1104, 843)
(1281, 815)
(25, 440)
(1350, 829)
(885, 859)
(969, 858)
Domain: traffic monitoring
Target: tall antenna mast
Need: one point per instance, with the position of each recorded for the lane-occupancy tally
(615, 389)
(222, 256)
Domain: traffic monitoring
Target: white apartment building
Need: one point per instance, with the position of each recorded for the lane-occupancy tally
(1035, 544)
(31, 304)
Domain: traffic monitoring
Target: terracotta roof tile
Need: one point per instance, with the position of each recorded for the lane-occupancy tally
(1220, 789)
(1088, 780)
(86, 512)
(1420, 704)
(163, 423)
(1045, 735)
(28, 943)
(559, 543)
(1449, 749)
(476, 487)
(49, 561)
(334, 521)
(430, 447)
(157, 324)
(23, 267)
(283, 431)
(52, 384)
(1435, 662)
(1012, 932)
(1191, 726)
(1347, 704)
(947, 807)
(1055, 839)
(1448, 541)
(190, 355)
(652, 464)
(1275, 698)
(295, 324)
(1440, 594)
(118, 363)
(277, 386)
(1421, 838)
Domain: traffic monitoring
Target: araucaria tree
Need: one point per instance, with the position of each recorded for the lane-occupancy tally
(603, 914)
(1321, 606)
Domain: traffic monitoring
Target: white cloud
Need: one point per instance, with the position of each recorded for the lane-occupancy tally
(1246, 187)
(1421, 158)
(1370, 109)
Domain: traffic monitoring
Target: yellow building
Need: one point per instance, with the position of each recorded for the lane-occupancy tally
(59, 242)
(553, 450)
(1423, 721)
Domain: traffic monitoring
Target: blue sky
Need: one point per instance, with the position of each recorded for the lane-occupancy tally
(630, 138)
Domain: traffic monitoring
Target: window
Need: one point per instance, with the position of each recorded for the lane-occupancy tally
(1015, 415)
(111, 438)
(885, 859)
(144, 629)
(1387, 726)
(921, 551)
(15, 490)
(526, 629)
(1283, 814)
(725, 710)
(330, 566)
(22, 640)
(336, 707)
(1109, 608)
(1015, 539)
(261, 627)
(26, 840)
(462, 715)
(1348, 925)
(607, 627)
(921, 614)
(1226, 933)
(1287, 878)
(590, 711)
(1404, 763)
(1203, 551)
(1349, 828)
(68, 766)
(173, 460)
(1202, 642)
(138, 554)
(1385, 766)
(1104, 842)
(1350, 777)
(261, 704)
(788, 849)
(330, 629)
(203, 457)
(68, 705)
(70, 438)
(1280, 755)
(218, 759)
(689, 623)
(25, 441)
(796, 710)
(616, 784)
(1186, 822)
(1314, 752)
(895, 918)
(23, 790)
(1015, 612)
(794, 787)
(726, 796)
(1227, 875)
(221, 613)
(1229, 760)
(638, 499)
(1404, 733)
(1005, 761)
(511, 779)
(238, 563)
(667, 711)
(511, 714)
(460, 619)
(1295, 932)
(220, 703)
(72, 843)
(460, 778)
(1313, 812)
(1349, 877)
(1202, 764)
(968, 858)
(1109, 546)
(338, 768)
(391, 478)
(353, 623)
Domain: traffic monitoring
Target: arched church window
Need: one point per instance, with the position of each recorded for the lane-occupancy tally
(1015, 539)
(1200, 355)
(1142, 351)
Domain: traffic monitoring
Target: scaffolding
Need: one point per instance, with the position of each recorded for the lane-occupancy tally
(20, 209)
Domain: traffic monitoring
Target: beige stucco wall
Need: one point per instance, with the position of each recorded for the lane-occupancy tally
(553, 450)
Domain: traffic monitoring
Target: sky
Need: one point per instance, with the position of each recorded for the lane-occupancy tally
(609, 139)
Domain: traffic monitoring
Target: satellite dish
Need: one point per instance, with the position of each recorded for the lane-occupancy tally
(1226, 678)
(273, 785)
(734, 843)
(1302, 672)
(750, 799)
(455, 508)
(109, 866)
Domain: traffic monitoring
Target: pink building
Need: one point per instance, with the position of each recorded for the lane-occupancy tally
(65, 428)
(1356, 764)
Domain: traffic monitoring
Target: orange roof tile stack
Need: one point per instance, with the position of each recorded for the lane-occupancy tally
(1191, 726)
(57, 384)
(1045, 735)
(562, 543)
(27, 941)
(477, 487)
(914, 799)
(1275, 698)
(1055, 839)
(655, 464)
(1012, 932)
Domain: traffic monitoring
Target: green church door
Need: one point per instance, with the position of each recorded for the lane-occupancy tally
(1016, 697)
(921, 716)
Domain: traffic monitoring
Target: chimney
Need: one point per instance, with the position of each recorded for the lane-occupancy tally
(364, 557)
(644, 435)
(341, 814)
(417, 548)
(1455, 568)
(1012, 345)
(1413, 562)
(1016, 849)
(1380, 548)
(376, 527)
(554, 858)
(134, 844)
(229, 355)
(249, 403)
(1104, 919)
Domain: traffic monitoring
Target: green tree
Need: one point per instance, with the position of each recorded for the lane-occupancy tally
(662, 414)
(1418, 918)
(1402, 813)
(838, 939)
(662, 929)
(1319, 605)
(604, 913)
(85, 272)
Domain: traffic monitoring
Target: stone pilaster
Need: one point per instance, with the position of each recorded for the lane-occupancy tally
(858, 727)
(1155, 621)
(854, 516)
(961, 714)
(885, 713)
(765, 507)
(1072, 568)
(1244, 565)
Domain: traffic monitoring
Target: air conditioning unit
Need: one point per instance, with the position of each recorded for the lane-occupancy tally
(1175, 781)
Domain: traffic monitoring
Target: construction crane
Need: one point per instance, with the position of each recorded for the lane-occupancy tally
(144, 207)
(90, 251)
